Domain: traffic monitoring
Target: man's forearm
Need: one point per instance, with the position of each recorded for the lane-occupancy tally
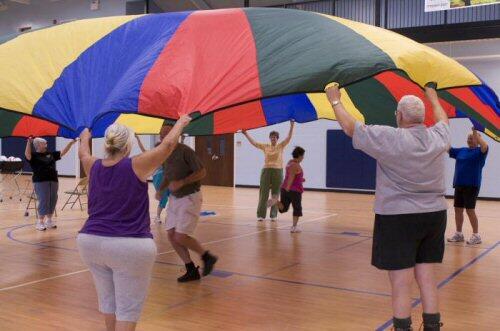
(194, 177)
(437, 109)
(346, 120)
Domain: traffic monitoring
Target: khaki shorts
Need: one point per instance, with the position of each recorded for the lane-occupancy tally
(183, 213)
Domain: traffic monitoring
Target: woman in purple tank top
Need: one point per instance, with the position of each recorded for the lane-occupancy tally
(292, 188)
(116, 241)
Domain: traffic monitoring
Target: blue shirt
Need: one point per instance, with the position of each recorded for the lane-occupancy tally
(469, 165)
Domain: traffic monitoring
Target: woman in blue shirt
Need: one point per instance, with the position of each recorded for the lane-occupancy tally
(467, 182)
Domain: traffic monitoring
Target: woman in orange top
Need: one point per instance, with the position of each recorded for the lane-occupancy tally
(272, 173)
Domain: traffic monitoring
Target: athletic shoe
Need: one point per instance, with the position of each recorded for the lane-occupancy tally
(157, 220)
(209, 261)
(457, 238)
(274, 219)
(295, 229)
(475, 239)
(260, 220)
(190, 276)
(433, 327)
(50, 225)
(40, 226)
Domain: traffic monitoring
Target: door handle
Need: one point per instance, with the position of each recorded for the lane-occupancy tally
(214, 157)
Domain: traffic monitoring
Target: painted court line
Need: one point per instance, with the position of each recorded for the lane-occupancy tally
(171, 251)
(252, 208)
(257, 232)
(447, 280)
(42, 280)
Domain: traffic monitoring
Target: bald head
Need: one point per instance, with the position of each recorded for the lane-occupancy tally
(411, 110)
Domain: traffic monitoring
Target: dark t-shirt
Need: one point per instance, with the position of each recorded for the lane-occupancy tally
(180, 164)
(44, 166)
(469, 166)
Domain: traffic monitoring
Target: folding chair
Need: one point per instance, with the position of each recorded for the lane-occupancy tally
(31, 204)
(76, 194)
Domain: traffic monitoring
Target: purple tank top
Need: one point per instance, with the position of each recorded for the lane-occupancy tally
(118, 202)
(297, 184)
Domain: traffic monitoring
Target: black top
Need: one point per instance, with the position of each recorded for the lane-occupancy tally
(44, 166)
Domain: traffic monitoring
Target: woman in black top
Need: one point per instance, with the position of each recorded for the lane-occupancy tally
(43, 164)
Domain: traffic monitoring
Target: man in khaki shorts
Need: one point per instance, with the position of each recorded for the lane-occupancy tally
(183, 172)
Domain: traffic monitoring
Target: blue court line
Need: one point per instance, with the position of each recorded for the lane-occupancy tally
(446, 280)
(266, 277)
(41, 243)
(351, 244)
(344, 233)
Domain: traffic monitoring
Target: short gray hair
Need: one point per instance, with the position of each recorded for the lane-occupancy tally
(37, 142)
(412, 108)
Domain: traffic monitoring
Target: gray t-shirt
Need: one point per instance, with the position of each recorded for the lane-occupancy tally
(180, 164)
(410, 166)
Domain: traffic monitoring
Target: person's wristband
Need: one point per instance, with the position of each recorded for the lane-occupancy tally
(336, 102)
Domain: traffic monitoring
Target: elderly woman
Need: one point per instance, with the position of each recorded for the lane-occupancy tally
(272, 173)
(116, 241)
(45, 182)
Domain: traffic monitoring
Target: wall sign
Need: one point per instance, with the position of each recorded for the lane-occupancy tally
(436, 5)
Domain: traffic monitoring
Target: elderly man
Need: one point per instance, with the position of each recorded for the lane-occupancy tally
(467, 182)
(45, 181)
(410, 207)
(183, 172)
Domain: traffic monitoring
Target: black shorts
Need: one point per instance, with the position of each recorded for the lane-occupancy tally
(466, 197)
(294, 198)
(401, 241)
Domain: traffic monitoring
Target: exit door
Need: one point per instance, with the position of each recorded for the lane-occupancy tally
(217, 155)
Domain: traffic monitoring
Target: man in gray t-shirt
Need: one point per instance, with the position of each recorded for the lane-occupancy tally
(410, 207)
(183, 172)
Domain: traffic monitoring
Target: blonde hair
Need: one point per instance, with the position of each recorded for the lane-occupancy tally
(412, 108)
(116, 139)
(37, 142)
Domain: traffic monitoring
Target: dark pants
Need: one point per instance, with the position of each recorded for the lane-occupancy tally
(465, 197)
(46, 194)
(294, 198)
(401, 241)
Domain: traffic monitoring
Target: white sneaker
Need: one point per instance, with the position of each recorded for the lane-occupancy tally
(40, 226)
(295, 229)
(260, 220)
(475, 239)
(274, 219)
(50, 225)
(457, 237)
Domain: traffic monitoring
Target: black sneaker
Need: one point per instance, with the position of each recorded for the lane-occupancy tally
(433, 327)
(208, 263)
(189, 276)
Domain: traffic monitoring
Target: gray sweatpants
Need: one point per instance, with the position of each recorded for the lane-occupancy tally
(46, 194)
(121, 268)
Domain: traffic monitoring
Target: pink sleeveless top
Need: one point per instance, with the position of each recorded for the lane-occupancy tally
(297, 184)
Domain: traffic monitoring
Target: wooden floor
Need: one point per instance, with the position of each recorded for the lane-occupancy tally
(267, 278)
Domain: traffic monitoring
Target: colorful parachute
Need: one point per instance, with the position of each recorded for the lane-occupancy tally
(237, 68)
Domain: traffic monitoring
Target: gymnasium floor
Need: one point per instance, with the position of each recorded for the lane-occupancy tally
(266, 278)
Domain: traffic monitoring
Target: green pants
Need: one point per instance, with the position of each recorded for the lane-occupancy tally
(270, 179)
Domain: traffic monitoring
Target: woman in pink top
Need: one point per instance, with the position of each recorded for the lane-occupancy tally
(292, 188)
